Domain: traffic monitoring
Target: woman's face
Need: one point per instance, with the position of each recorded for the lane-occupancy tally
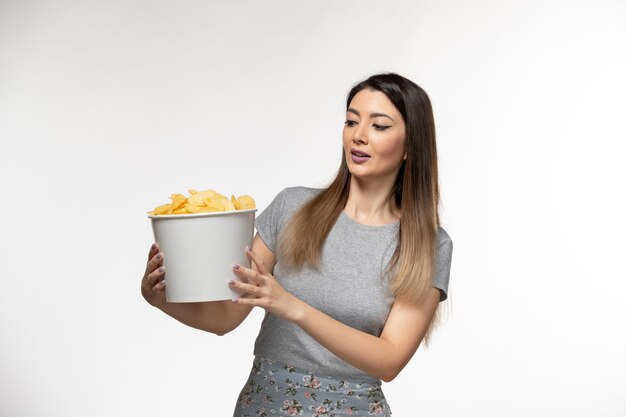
(373, 126)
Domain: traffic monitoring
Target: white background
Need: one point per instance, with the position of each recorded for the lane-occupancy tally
(107, 107)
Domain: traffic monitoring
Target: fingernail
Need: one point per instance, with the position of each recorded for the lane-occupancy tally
(234, 300)
(247, 248)
(235, 266)
(162, 269)
(159, 256)
(231, 282)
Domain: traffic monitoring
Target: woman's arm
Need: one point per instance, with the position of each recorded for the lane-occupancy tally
(219, 317)
(382, 357)
(214, 317)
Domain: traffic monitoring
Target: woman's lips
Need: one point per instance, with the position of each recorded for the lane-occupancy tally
(359, 159)
(358, 152)
(358, 156)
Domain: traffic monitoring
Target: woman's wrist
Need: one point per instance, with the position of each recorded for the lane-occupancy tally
(298, 312)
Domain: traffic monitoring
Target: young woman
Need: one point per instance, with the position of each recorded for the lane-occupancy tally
(350, 276)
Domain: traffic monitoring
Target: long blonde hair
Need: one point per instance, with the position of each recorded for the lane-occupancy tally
(416, 192)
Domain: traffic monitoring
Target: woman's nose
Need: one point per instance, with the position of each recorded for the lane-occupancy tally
(357, 141)
(359, 135)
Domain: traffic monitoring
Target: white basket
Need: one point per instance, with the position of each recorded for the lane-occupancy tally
(199, 251)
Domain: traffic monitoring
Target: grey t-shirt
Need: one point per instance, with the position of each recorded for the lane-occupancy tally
(350, 286)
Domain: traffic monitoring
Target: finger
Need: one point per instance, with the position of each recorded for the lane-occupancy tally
(256, 302)
(246, 301)
(246, 288)
(159, 286)
(248, 275)
(257, 279)
(258, 261)
(155, 276)
(154, 249)
(155, 262)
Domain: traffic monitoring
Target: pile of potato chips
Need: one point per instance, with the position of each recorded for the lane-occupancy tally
(203, 202)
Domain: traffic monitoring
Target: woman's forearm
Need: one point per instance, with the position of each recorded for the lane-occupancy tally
(371, 354)
(218, 317)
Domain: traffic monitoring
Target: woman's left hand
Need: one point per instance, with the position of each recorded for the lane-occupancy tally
(266, 292)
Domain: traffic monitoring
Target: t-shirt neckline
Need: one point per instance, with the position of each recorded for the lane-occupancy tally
(348, 219)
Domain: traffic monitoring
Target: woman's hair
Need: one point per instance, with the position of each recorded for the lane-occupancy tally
(416, 193)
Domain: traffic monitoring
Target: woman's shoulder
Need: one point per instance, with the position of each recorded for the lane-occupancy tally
(299, 194)
(301, 189)
(443, 237)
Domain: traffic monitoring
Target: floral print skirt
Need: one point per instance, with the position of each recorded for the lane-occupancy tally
(277, 389)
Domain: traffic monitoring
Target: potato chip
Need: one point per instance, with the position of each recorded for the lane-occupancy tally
(177, 201)
(214, 205)
(234, 201)
(229, 206)
(192, 209)
(196, 200)
(163, 209)
(245, 202)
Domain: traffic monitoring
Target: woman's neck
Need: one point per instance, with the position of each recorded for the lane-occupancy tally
(368, 204)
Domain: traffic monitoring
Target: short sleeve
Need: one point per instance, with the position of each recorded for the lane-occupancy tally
(268, 223)
(442, 268)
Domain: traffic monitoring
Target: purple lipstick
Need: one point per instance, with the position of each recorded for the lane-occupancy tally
(359, 156)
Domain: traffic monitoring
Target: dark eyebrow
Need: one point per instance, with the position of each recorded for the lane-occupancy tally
(351, 110)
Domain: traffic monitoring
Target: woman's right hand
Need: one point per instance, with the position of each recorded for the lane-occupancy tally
(153, 282)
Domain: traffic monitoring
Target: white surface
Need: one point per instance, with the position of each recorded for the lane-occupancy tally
(106, 108)
(199, 251)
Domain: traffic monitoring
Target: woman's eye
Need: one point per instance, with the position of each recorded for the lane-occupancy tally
(350, 123)
(380, 127)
